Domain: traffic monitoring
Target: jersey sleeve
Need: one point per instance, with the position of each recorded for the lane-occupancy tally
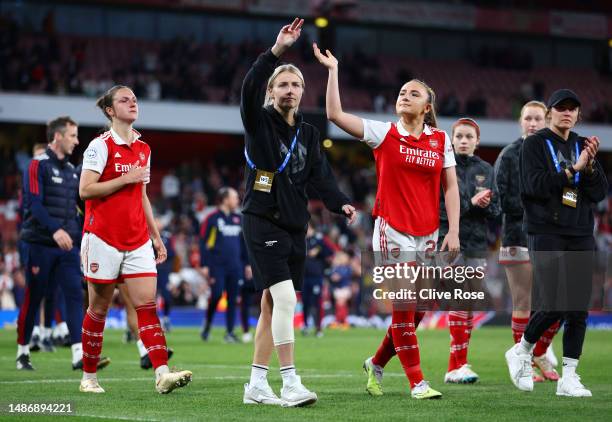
(449, 154)
(148, 177)
(374, 132)
(95, 156)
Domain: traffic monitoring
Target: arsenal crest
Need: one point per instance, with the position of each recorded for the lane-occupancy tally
(395, 252)
(512, 251)
(480, 178)
(433, 143)
(142, 156)
(94, 267)
(35, 270)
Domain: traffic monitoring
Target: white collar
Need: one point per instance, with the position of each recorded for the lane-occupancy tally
(119, 140)
(402, 131)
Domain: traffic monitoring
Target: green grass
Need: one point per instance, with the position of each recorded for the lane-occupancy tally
(330, 366)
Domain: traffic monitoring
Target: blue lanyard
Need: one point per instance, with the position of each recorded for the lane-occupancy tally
(556, 161)
(285, 161)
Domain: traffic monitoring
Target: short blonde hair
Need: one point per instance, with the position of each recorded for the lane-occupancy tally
(283, 68)
(533, 103)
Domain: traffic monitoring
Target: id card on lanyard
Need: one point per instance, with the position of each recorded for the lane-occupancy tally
(569, 197)
(263, 178)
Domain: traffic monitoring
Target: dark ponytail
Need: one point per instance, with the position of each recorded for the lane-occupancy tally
(106, 100)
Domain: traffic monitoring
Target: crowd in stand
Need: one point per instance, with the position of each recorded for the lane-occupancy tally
(187, 195)
(186, 70)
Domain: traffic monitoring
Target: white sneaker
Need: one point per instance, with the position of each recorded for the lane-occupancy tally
(247, 337)
(423, 391)
(172, 380)
(466, 375)
(296, 395)
(550, 355)
(570, 386)
(260, 394)
(451, 377)
(520, 369)
(90, 386)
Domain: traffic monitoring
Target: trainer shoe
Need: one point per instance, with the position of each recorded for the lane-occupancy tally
(296, 395)
(46, 345)
(90, 386)
(23, 363)
(550, 355)
(145, 361)
(519, 365)
(230, 338)
(537, 377)
(375, 375)
(546, 368)
(172, 380)
(204, 335)
(570, 386)
(423, 391)
(103, 362)
(451, 377)
(260, 393)
(247, 337)
(319, 334)
(466, 375)
(35, 343)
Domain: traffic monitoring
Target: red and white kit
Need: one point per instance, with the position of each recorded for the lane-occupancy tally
(513, 255)
(116, 243)
(408, 192)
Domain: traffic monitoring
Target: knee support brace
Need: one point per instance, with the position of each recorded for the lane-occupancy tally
(284, 298)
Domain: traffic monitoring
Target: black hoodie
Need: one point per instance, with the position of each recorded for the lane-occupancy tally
(268, 138)
(542, 186)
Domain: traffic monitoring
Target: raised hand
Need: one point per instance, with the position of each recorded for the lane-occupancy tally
(328, 60)
(287, 36)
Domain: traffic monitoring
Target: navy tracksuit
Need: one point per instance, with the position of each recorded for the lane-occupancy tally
(222, 251)
(163, 273)
(50, 203)
(313, 277)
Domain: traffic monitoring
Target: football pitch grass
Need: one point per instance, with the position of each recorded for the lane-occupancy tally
(330, 366)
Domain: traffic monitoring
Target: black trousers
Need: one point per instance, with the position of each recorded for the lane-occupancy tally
(562, 274)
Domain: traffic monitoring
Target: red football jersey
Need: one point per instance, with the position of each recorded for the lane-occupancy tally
(408, 171)
(118, 218)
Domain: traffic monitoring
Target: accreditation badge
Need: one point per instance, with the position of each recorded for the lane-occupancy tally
(570, 197)
(263, 181)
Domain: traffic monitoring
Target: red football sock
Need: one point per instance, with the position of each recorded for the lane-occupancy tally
(151, 334)
(470, 325)
(406, 345)
(545, 340)
(341, 313)
(92, 337)
(386, 350)
(518, 328)
(458, 327)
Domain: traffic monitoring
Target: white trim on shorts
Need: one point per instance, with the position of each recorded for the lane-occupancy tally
(105, 264)
(391, 246)
(509, 255)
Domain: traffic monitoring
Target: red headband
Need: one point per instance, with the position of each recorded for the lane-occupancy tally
(469, 122)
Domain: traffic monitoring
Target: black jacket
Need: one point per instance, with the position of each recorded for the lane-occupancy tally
(268, 137)
(51, 189)
(507, 179)
(473, 175)
(542, 186)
